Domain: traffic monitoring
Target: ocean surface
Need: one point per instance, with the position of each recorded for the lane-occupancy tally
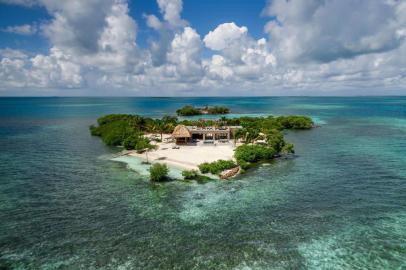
(339, 204)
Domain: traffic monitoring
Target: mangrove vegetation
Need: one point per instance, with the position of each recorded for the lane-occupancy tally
(258, 139)
(189, 110)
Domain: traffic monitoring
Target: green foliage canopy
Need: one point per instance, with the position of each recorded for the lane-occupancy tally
(188, 110)
(158, 172)
(190, 174)
(216, 167)
(254, 153)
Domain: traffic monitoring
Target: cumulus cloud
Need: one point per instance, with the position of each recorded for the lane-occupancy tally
(241, 57)
(327, 45)
(226, 34)
(25, 29)
(328, 30)
(171, 10)
(184, 55)
(27, 3)
(84, 45)
(76, 26)
(53, 70)
(171, 24)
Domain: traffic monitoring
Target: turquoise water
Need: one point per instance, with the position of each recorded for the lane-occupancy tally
(339, 204)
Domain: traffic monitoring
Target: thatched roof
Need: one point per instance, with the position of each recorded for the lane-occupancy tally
(181, 131)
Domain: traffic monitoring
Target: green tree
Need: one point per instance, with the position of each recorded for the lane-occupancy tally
(188, 110)
(137, 142)
(254, 153)
(158, 172)
(288, 148)
(190, 174)
(161, 127)
(275, 139)
(216, 167)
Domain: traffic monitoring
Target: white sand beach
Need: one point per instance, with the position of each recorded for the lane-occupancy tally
(187, 157)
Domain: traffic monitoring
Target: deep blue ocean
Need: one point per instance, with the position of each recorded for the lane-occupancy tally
(339, 204)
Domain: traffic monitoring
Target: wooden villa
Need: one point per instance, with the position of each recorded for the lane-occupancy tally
(181, 134)
(184, 134)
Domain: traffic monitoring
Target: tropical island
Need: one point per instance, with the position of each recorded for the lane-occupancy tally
(190, 110)
(201, 148)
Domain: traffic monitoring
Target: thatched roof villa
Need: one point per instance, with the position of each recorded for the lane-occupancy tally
(181, 134)
(184, 134)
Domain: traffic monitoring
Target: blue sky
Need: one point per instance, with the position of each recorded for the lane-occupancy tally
(195, 48)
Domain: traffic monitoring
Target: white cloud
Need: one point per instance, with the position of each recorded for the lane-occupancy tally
(12, 54)
(26, 3)
(224, 35)
(78, 25)
(242, 57)
(41, 71)
(25, 29)
(55, 70)
(184, 54)
(172, 23)
(11, 73)
(328, 30)
(171, 10)
(153, 22)
(309, 46)
(84, 45)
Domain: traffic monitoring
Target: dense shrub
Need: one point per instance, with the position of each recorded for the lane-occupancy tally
(295, 122)
(253, 153)
(244, 165)
(114, 133)
(204, 167)
(135, 121)
(136, 142)
(190, 174)
(218, 110)
(115, 129)
(94, 131)
(113, 118)
(188, 111)
(275, 139)
(128, 130)
(288, 148)
(216, 167)
(158, 172)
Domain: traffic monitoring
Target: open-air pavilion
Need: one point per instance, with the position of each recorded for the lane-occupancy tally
(184, 134)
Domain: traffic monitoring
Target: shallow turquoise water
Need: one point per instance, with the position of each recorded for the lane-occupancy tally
(339, 204)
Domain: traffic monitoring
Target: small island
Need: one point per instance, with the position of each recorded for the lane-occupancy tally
(201, 148)
(189, 110)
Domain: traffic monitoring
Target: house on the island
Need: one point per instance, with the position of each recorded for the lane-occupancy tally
(185, 134)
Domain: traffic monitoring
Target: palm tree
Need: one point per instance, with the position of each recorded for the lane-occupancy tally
(161, 127)
(239, 134)
(252, 134)
(151, 126)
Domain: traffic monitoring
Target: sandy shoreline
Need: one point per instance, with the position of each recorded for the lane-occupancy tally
(187, 157)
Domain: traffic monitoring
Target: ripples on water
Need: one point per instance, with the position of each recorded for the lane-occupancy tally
(340, 204)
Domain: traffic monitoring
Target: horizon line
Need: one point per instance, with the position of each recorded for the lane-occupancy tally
(268, 96)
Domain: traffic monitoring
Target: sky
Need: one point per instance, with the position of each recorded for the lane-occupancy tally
(202, 48)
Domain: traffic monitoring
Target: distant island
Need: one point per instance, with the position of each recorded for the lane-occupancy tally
(190, 110)
(201, 148)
